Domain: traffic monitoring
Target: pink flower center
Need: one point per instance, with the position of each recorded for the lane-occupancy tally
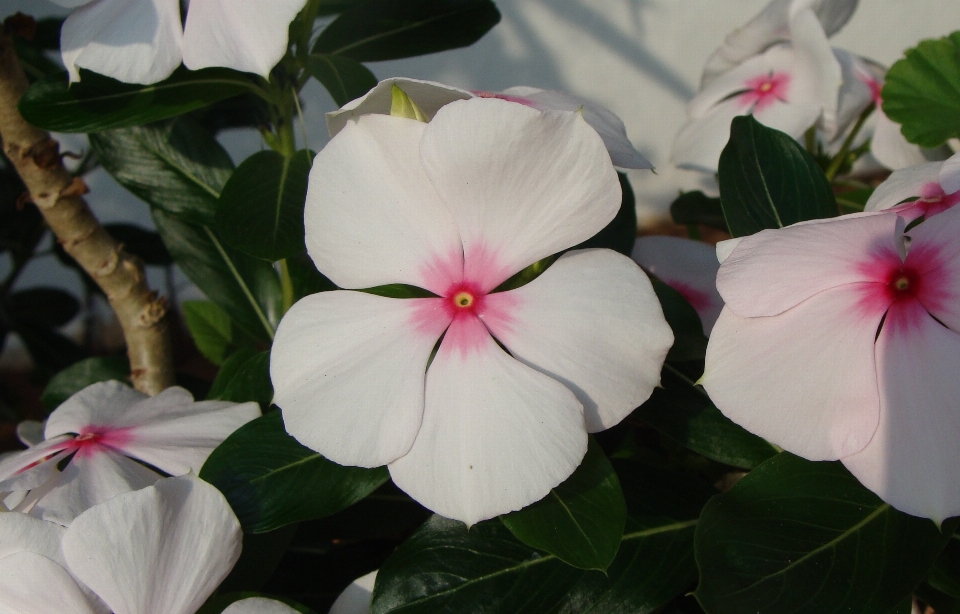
(763, 91)
(93, 439)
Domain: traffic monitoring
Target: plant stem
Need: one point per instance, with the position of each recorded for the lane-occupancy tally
(839, 159)
(57, 194)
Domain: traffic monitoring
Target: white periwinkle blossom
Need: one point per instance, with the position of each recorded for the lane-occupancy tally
(164, 548)
(500, 414)
(105, 434)
(779, 68)
(430, 97)
(144, 41)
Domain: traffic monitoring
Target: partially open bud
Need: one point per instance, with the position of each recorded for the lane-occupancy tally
(402, 106)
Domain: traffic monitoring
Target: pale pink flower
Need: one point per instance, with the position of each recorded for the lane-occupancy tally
(839, 341)
(143, 41)
(431, 96)
(164, 548)
(919, 191)
(458, 206)
(356, 598)
(689, 267)
(109, 435)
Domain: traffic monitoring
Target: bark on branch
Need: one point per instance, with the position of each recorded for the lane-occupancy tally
(58, 195)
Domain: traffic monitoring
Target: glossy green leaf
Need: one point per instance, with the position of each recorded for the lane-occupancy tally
(689, 342)
(922, 92)
(271, 480)
(683, 412)
(245, 287)
(244, 376)
(305, 277)
(767, 180)
(344, 78)
(212, 330)
(620, 234)
(390, 29)
(803, 537)
(76, 377)
(698, 208)
(175, 166)
(945, 575)
(581, 520)
(179, 170)
(260, 210)
(100, 103)
(444, 567)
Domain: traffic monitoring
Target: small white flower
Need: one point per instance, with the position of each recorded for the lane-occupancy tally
(101, 433)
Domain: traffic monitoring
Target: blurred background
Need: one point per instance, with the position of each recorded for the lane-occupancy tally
(640, 58)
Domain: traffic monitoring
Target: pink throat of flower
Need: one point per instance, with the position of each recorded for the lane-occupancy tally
(94, 438)
(933, 200)
(765, 90)
(518, 99)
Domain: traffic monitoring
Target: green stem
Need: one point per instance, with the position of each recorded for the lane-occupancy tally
(810, 140)
(286, 286)
(839, 159)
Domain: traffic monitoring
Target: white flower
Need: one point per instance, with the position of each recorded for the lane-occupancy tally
(356, 598)
(106, 434)
(431, 96)
(164, 548)
(923, 190)
(143, 41)
(689, 267)
(458, 206)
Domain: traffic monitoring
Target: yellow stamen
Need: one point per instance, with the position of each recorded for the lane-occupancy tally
(463, 299)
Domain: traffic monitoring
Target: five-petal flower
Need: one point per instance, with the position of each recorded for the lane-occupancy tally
(919, 191)
(143, 41)
(107, 434)
(839, 340)
(459, 205)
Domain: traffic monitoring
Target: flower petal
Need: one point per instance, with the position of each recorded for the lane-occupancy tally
(496, 434)
(136, 41)
(935, 255)
(356, 598)
(911, 461)
(774, 270)
(429, 96)
(22, 533)
(889, 146)
(701, 140)
(949, 176)
(804, 379)
(30, 432)
(165, 548)
(250, 36)
(607, 124)
(902, 184)
(259, 605)
(88, 480)
(34, 584)
(513, 204)
(329, 350)
(98, 404)
(363, 232)
(593, 322)
(19, 462)
(818, 73)
(689, 267)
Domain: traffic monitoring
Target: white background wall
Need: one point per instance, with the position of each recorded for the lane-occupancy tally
(641, 58)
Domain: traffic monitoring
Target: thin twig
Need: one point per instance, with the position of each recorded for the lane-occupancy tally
(58, 196)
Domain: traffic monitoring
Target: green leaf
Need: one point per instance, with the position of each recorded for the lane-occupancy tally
(212, 330)
(767, 180)
(689, 342)
(444, 567)
(390, 29)
(306, 278)
(581, 520)
(271, 480)
(854, 200)
(244, 376)
(945, 575)
(620, 234)
(176, 166)
(698, 208)
(245, 287)
(100, 103)
(684, 413)
(803, 537)
(344, 78)
(76, 377)
(922, 92)
(260, 210)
